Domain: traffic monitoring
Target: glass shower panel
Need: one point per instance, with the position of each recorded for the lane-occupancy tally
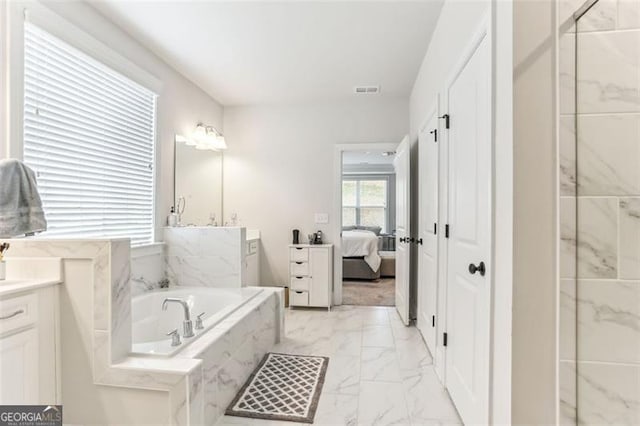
(607, 214)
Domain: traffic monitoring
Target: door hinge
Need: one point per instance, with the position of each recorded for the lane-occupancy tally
(444, 339)
(435, 229)
(434, 132)
(446, 231)
(433, 320)
(446, 120)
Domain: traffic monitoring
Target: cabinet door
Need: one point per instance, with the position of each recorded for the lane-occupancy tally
(19, 368)
(319, 291)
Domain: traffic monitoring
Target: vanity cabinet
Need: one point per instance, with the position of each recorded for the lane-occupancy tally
(311, 275)
(29, 363)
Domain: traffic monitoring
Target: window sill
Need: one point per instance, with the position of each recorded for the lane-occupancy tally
(147, 250)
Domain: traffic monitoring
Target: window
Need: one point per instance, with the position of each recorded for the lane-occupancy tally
(364, 202)
(89, 134)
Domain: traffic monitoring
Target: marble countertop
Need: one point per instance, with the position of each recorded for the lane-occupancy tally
(9, 287)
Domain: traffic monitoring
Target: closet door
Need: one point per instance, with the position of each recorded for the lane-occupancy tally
(469, 249)
(428, 222)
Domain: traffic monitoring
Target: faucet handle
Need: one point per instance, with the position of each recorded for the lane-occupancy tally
(199, 324)
(175, 337)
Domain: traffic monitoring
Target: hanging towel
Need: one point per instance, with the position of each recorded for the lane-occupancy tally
(20, 204)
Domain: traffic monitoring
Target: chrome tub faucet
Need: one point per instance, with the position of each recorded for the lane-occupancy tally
(187, 324)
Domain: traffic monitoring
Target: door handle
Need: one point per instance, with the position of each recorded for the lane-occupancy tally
(480, 268)
(418, 241)
(402, 239)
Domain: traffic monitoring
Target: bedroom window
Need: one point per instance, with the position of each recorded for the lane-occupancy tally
(365, 202)
(89, 134)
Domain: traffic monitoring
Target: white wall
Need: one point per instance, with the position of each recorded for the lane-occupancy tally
(181, 104)
(279, 169)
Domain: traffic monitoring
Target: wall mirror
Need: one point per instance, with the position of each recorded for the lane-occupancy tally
(197, 184)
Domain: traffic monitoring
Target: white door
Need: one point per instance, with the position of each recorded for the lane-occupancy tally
(428, 224)
(403, 246)
(469, 268)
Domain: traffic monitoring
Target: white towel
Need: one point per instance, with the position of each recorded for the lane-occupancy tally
(20, 204)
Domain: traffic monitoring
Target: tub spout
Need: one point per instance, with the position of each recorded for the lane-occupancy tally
(187, 323)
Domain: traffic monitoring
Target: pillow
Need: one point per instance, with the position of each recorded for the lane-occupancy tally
(375, 229)
(349, 228)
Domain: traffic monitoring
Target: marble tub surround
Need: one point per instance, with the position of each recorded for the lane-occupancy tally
(101, 382)
(148, 269)
(205, 256)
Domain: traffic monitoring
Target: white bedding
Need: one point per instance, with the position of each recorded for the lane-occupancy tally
(358, 243)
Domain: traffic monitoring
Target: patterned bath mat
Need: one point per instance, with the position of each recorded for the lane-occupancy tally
(283, 387)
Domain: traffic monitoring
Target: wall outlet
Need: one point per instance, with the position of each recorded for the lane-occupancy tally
(322, 218)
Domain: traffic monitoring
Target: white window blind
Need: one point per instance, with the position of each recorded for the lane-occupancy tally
(89, 134)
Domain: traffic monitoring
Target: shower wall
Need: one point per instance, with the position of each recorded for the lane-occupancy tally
(600, 216)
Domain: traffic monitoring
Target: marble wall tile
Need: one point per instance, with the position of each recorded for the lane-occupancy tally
(630, 238)
(597, 237)
(602, 16)
(568, 395)
(146, 273)
(609, 321)
(567, 237)
(608, 394)
(567, 150)
(567, 72)
(609, 154)
(567, 320)
(628, 14)
(607, 77)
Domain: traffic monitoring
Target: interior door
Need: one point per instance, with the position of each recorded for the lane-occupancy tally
(428, 225)
(468, 260)
(403, 246)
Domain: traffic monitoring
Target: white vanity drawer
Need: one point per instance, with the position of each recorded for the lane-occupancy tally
(299, 268)
(18, 312)
(299, 298)
(300, 283)
(299, 254)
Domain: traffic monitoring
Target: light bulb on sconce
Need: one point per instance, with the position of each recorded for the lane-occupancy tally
(204, 138)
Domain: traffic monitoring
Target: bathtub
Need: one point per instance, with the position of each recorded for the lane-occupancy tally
(150, 324)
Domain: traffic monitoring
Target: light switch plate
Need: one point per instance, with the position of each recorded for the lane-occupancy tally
(322, 218)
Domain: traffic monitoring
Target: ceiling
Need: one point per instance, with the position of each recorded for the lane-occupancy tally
(265, 52)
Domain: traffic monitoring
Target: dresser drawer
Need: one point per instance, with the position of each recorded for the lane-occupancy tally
(18, 312)
(299, 269)
(299, 298)
(300, 283)
(299, 254)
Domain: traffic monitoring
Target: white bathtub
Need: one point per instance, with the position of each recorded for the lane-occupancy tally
(150, 324)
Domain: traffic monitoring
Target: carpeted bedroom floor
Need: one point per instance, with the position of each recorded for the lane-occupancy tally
(380, 292)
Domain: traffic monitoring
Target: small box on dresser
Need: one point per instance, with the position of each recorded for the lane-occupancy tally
(311, 275)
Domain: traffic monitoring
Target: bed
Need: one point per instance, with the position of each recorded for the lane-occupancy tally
(360, 256)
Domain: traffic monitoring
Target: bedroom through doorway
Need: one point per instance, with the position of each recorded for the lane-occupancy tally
(368, 227)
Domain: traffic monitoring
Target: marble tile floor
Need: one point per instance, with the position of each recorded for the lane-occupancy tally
(380, 372)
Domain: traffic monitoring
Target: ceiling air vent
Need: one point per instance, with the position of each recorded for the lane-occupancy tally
(367, 90)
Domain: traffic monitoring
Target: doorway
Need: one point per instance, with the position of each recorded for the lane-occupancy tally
(366, 207)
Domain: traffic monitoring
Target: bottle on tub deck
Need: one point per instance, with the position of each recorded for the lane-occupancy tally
(172, 219)
(3, 265)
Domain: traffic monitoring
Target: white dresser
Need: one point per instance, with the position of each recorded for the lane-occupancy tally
(311, 275)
